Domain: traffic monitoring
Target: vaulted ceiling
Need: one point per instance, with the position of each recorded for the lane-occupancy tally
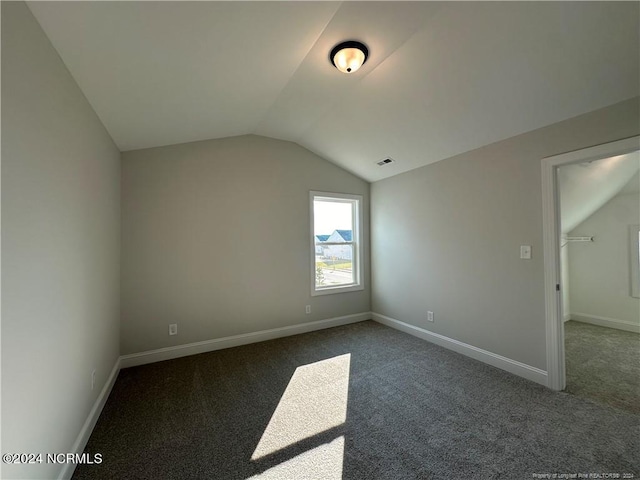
(442, 77)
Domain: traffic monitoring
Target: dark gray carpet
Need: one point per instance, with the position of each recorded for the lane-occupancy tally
(415, 411)
(603, 364)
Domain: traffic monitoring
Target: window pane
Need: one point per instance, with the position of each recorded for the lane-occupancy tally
(333, 223)
(334, 267)
(329, 216)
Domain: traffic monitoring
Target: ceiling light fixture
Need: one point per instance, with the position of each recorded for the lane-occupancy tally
(349, 56)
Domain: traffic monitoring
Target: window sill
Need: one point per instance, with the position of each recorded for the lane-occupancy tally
(332, 290)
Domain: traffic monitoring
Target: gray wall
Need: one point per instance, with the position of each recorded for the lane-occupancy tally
(216, 238)
(446, 237)
(60, 248)
(599, 271)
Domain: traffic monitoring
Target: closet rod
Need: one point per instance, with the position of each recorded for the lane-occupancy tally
(579, 239)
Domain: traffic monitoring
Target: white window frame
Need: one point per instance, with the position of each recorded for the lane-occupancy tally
(356, 202)
(634, 266)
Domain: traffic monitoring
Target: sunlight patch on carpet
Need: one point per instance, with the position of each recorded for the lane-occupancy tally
(314, 401)
(322, 462)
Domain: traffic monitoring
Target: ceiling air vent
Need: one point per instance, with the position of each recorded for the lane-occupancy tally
(386, 161)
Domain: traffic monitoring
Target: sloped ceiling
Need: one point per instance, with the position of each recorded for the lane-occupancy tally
(586, 187)
(442, 78)
(633, 185)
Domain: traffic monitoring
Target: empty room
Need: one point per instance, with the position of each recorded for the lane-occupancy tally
(320, 240)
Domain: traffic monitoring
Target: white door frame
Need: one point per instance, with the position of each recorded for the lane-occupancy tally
(556, 378)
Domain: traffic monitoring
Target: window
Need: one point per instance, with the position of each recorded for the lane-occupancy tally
(634, 250)
(336, 239)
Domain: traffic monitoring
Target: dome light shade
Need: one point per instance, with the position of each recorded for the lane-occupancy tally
(349, 56)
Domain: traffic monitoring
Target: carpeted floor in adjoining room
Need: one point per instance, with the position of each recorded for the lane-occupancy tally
(603, 364)
(361, 401)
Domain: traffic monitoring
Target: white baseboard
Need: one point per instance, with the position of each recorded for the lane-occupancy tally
(566, 317)
(606, 322)
(90, 422)
(178, 351)
(521, 369)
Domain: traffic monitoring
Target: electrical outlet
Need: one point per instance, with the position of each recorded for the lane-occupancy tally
(173, 329)
(93, 378)
(430, 316)
(307, 309)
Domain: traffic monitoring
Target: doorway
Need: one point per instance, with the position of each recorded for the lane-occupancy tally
(552, 230)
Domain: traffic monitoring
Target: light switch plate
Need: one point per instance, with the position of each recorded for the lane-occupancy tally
(525, 252)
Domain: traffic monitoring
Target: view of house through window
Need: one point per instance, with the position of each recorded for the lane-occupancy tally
(335, 242)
